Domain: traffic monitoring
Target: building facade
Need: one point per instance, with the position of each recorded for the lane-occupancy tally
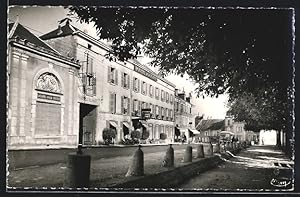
(238, 129)
(113, 94)
(184, 120)
(42, 98)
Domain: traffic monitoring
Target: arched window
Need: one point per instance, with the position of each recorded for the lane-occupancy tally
(49, 105)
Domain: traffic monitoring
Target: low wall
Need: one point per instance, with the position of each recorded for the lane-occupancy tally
(174, 177)
(26, 158)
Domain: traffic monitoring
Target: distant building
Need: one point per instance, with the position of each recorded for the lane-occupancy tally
(183, 115)
(42, 94)
(211, 128)
(113, 94)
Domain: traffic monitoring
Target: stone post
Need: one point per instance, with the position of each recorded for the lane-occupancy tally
(77, 174)
(169, 157)
(217, 148)
(210, 149)
(188, 154)
(200, 151)
(136, 167)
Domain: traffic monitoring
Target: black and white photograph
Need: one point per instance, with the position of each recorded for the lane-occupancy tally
(150, 99)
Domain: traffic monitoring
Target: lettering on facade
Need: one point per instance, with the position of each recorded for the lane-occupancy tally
(48, 97)
(145, 73)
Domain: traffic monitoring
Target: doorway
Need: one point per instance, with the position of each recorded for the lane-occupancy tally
(87, 124)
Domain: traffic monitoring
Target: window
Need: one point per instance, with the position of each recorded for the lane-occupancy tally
(167, 97)
(167, 114)
(162, 95)
(171, 114)
(181, 108)
(157, 111)
(162, 113)
(112, 75)
(150, 90)
(171, 99)
(156, 93)
(151, 107)
(125, 80)
(136, 107)
(125, 105)
(136, 84)
(112, 103)
(144, 88)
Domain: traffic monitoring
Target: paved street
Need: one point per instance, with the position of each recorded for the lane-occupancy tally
(104, 171)
(250, 169)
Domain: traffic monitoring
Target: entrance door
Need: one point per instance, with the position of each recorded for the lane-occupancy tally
(87, 124)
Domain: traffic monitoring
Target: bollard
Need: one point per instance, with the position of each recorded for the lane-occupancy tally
(188, 154)
(77, 174)
(169, 157)
(217, 148)
(210, 149)
(200, 151)
(136, 167)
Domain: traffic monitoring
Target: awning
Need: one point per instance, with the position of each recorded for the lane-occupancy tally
(114, 124)
(226, 132)
(145, 125)
(183, 130)
(194, 131)
(126, 124)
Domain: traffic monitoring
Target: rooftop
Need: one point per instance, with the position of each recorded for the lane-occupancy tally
(211, 124)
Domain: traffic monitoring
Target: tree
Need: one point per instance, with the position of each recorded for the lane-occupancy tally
(108, 135)
(232, 51)
(145, 134)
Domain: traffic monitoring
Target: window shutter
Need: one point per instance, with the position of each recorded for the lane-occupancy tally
(111, 102)
(133, 83)
(138, 89)
(128, 103)
(122, 79)
(116, 76)
(94, 85)
(140, 108)
(122, 104)
(128, 81)
(90, 65)
(108, 74)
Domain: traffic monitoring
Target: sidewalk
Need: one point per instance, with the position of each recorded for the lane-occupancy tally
(104, 172)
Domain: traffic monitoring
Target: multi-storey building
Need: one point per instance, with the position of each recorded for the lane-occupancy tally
(112, 94)
(42, 98)
(183, 114)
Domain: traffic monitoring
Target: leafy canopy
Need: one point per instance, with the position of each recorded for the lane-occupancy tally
(232, 51)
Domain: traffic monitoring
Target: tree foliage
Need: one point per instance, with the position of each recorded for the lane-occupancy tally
(232, 51)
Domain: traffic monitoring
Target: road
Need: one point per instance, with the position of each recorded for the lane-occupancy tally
(259, 167)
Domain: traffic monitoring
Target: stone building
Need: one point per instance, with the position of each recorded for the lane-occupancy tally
(184, 120)
(112, 94)
(42, 94)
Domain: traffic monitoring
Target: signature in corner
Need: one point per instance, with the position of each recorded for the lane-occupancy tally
(280, 182)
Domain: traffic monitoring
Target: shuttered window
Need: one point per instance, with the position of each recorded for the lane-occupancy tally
(125, 80)
(112, 75)
(125, 105)
(156, 93)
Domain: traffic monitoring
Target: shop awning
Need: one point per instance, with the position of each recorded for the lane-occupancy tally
(126, 124)
(194, 131)
(145, 125)
(182, 130)
(114, 124)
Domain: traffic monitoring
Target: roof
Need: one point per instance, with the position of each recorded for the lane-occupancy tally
(211, 124)
(59, 32)
(69, 29)
(20, 32)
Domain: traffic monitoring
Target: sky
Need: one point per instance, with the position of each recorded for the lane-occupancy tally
(42, 19)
